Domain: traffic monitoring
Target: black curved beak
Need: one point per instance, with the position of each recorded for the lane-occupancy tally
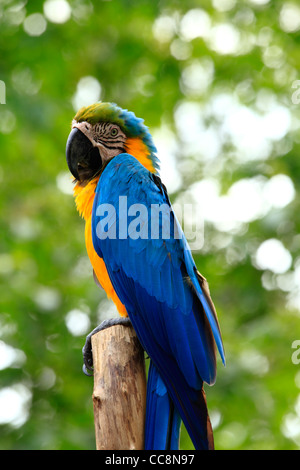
(83, 158)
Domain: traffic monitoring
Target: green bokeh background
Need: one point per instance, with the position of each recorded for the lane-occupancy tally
(140, 53)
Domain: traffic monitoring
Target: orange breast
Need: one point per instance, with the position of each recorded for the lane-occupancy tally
(84, 202)
(100, 270)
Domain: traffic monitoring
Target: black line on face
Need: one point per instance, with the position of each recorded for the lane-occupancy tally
(102, 134)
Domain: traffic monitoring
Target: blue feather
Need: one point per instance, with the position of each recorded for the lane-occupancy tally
(163, 421)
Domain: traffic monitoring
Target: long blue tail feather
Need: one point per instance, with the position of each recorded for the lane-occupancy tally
(162, 429)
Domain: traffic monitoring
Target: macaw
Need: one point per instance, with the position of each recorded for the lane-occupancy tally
(151, 278)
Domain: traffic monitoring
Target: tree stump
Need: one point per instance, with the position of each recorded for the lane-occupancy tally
(119, 395)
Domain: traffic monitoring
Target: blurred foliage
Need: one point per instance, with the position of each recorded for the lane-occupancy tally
(154, 58)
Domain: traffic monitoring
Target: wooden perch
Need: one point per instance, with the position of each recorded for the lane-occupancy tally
(119, 395)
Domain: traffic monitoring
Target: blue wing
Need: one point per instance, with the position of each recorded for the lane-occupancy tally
(155, 276)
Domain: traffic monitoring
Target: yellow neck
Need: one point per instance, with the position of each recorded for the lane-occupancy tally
(84, 195)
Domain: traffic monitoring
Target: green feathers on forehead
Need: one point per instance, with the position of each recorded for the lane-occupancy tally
(126, 120)
(104, 112)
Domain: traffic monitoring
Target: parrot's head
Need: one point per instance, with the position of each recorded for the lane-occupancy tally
(102, 131)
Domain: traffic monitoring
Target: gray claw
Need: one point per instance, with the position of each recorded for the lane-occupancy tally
(87, 348)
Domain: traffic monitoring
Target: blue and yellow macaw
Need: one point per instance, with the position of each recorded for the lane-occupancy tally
(153, 280)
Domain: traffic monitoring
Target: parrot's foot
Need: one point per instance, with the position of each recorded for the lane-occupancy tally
(87, 348)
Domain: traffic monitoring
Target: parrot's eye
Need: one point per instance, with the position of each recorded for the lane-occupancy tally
(114, 132)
